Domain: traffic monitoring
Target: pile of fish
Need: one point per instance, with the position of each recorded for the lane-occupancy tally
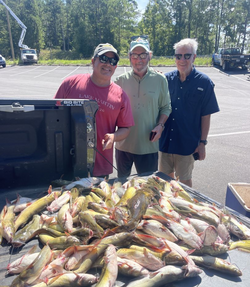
(147, 230)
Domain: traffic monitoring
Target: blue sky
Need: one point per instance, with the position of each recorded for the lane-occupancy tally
(142, 4)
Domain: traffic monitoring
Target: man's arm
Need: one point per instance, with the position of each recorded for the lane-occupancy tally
(205, 125)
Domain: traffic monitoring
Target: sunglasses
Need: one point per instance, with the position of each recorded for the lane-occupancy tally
(104, 59)
(186, 56)
(136, 56)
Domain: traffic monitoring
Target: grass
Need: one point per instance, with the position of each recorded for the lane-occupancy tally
(57, 57)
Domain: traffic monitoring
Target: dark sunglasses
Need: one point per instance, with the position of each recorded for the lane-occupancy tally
(104, 59)
(186, 56)
(142, 55)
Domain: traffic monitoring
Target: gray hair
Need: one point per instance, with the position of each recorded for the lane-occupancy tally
(192, 43)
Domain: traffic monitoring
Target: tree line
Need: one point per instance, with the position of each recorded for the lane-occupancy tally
(80, 25)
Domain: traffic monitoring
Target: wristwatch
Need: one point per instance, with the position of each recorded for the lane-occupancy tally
(203, 141)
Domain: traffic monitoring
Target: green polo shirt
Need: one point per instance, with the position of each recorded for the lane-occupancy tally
(149, 98)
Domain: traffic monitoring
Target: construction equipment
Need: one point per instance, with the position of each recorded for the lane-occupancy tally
(27, 55)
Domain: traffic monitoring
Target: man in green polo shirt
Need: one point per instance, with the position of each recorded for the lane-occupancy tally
(151, 107)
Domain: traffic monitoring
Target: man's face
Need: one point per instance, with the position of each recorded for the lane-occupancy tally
(184, 66)
(104, 70)
(139, 65)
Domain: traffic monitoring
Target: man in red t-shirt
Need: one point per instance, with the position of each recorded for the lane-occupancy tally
(114, 116)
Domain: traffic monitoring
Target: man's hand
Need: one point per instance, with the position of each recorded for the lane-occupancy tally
(158, 131)
(108, 141)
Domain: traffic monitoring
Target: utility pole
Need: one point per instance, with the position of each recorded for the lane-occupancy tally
(11, 42)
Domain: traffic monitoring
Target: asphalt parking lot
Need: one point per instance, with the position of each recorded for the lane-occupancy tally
(228, 156)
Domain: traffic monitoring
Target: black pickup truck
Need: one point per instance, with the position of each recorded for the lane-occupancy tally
(230, 58)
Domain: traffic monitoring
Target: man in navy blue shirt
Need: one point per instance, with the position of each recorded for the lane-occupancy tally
(193, 101)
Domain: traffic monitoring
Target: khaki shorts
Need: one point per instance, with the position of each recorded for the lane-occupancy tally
(181, 165)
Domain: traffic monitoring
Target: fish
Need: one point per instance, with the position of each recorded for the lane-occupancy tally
(87, 182)
(35, 208)
(59, 201)
(176, 187)
(129, 193)
(61, 242)
(69, 279)
(161, 277)
(121, 239)
(77, 205)
(22, 202)
(243, 245)
(110, 268)
(129, 267)
(216, 264)
(87, 219)
(8, 227)
(237, 228)
(190, 238)
(29, 275)
(23, 262)
(214, 250)
(64, 218)
(27, 232)
(143, 257)
(154, 227)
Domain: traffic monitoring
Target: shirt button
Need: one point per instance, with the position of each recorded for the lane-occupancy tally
(176, 109)
(181, 87)
(172, 130)
(178, 98)
(170, 139)
(173, 119)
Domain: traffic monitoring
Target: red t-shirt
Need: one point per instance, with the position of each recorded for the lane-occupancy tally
(114, 111)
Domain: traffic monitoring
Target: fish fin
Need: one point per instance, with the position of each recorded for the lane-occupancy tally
(50, 189)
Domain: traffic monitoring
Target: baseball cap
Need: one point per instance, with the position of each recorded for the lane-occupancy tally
(104, 48)
(139, 42)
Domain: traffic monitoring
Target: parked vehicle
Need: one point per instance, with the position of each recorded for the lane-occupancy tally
(228, 58)
(28, 56)
(2, 61)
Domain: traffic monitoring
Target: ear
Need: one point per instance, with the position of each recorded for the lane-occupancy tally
(150, 55)
(194, 57)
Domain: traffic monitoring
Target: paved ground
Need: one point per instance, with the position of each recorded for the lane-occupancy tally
(228, 156)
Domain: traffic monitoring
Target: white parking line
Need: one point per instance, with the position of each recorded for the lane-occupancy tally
(245, 80)
(70, 73)
(46, 73)
(25, 71)
(229, 134)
